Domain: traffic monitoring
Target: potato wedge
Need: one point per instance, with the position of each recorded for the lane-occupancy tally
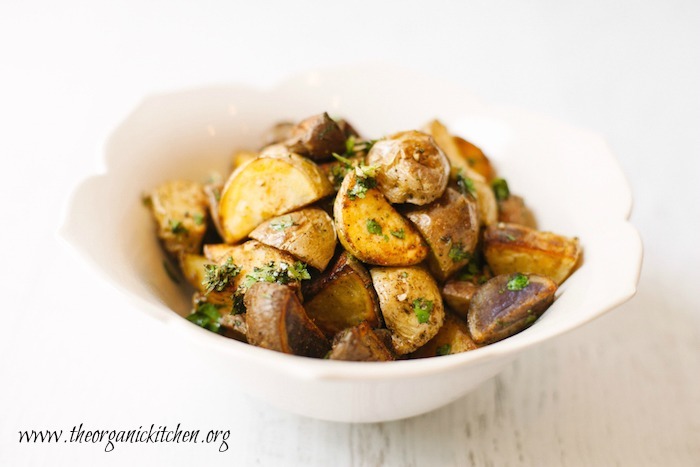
(450, 226)
(359, 344)
(475, 157)
(507, 304)
(317, 138)
(266, 187)
(277, 321)
(457, 296)
(453, 337)
(180, 210)
(512, 210)
(510, 248)
(342, 297)
(307, 234)
(234, 326)
(411, 304)
(412, 168)
(371, 230)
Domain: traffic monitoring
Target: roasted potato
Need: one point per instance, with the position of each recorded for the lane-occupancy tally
(180, 210)
(307, 234)
(512, 248)
(336, 170)
(411, 305)
(371, 230)
(412, 168)
(512, 210)
(359, 344)
(266, 187)
(277, 321)
(450, 226)
(475, 157)
(457, 295)
(317, 138)
(342, 297)
(453, 337)
(507, 304)
(234, 326)
(194, 269)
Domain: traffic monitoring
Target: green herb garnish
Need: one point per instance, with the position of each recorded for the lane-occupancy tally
(445, 349)
(458, 253)
(282, 223)
(219, 276)
(500, 189)
(361, 187)
(518, 282)
(373, 227)
(282, 274)
(207, 316)
(422, 309)
(347, 162)
(399, 233)
(465, 184)
(176, 227)
(198, 218)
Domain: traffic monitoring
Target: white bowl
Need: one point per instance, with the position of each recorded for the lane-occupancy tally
(568, 176)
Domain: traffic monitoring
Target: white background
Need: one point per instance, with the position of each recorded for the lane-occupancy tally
(624, 390)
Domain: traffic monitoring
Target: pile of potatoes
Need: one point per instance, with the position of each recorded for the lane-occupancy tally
(328, 245)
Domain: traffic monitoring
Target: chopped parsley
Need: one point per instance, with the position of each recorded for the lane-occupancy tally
(238, 306)
(518, 282)
(399, 233)
(361, 187)
(422, 309)
(458, 253)
(219, 276)
(207, 316)
(282, 223)
(350, 145)
(445, 349)
(373, 227)
(500, 189)
(347, 162)
(338, 173)
(176, 227)
(465, 184)
(282, 274)
(198, 218)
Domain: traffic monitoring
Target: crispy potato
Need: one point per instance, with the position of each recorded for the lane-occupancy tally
(307, 234)
(507, 304)
(278, 133)
(277, 321)
(475, 157)
(241, 157)
(359, 344)
(342, 297)
(512, 210)
(180, 210)
(266, 187)
(317, 138)
(450, 225)
(234, 326)
(371, 230)
(411, 305)
(453, 337)
(510, 248)
(457, 296)
(412, 168)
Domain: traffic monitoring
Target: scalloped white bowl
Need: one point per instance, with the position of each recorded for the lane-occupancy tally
(567, 175)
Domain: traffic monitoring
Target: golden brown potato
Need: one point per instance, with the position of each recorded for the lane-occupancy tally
(180, 210)
(512, 210)
(475, 157)
(450, 225)
(507, 304)
(277, 321)
(266, 187)
(453, 337)
(510, 248)
(307, 234)
(371, 230)
(457, 295)
(359, 344)
(342, 297)
(412, 168)
(317, 138)
(234, 326)
(411, 304)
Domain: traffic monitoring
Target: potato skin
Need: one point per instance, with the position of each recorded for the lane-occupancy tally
(180, 211)
(234, 326)
(412, 168)
(453, 337)
(307, 234)
(475, 157)
(450, 226)
(512, 248)
(495, 312)
(384, 248)
(512, 210)
(457, 296)
(399, 290)
(277, 321)
(359, 344)
(317, 138)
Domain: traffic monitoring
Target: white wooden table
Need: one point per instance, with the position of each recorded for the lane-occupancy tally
(624, 390)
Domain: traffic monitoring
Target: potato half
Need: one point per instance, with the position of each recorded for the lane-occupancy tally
(453, 337)
(512, 248)
(450, 225)
(411, 305)
(266, 187)
(359, 344)
(342, 297)
(308, 234)
(457, 296)
(371, 230)
(180, 210)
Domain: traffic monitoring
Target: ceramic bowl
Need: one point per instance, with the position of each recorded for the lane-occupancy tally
(567, 175)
